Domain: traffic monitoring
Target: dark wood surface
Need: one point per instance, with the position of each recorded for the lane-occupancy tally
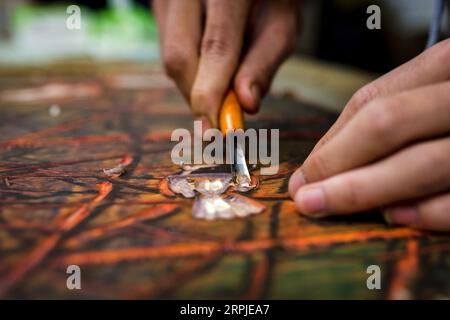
(58, 208)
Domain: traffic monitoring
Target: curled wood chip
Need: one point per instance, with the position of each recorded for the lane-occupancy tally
(7, 182)
(120, 169)
(116, 171)
(209, 190)
(227, 207)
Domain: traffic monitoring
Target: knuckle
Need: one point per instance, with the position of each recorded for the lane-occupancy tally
(176, 61)
(216, 42)
(318, 167)
(204, 99)
(362, 97)
(349, 197)
(382, 117)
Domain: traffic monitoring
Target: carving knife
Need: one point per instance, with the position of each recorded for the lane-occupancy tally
(231, 117)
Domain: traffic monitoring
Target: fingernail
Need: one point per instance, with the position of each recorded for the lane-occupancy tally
(311, 200)
(407, 216)
(296, 181)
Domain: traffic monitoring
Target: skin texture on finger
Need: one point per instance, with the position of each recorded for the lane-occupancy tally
(416, 171)
(272, 39)
(429, 214)
(427, 68)
(219, 55)
(383, 126)
(181, 42)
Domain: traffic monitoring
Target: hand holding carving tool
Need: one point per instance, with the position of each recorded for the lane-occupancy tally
(231, 118)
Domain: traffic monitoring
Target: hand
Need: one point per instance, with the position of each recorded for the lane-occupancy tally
(390, 147)
(204, 59)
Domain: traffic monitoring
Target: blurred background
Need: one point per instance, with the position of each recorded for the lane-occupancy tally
(332, 30)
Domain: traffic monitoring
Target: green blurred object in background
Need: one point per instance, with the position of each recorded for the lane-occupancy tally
(39, 34)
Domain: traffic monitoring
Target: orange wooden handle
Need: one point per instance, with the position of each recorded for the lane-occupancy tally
(231, 116)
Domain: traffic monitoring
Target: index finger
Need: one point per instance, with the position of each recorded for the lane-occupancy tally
(219, 55)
